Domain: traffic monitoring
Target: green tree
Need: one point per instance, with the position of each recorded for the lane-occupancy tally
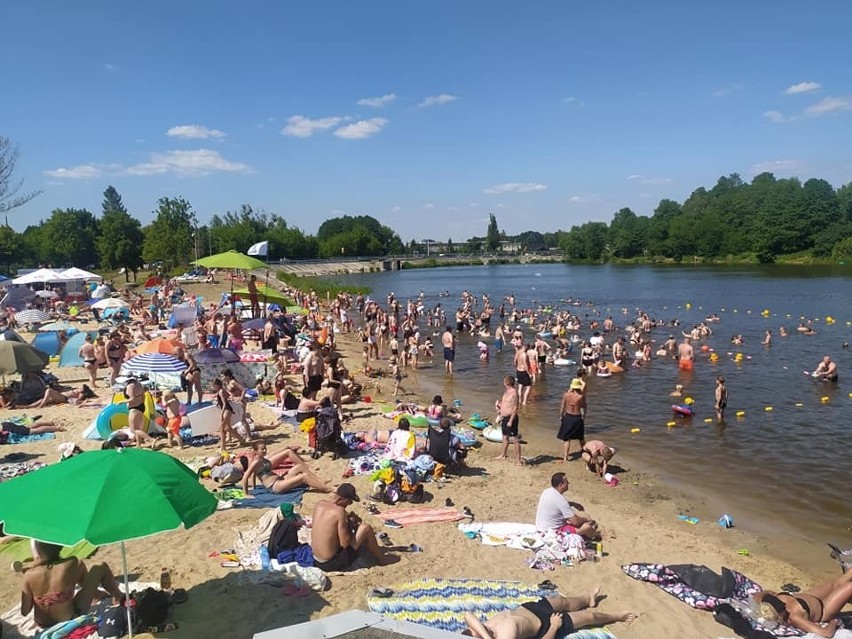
(450, 248)
(69, 237)
(627, 234)
(531, 241)
(10, 188)
(168, 239)
(119, 242)
(10, 247)
(368, 236)
(492, 235)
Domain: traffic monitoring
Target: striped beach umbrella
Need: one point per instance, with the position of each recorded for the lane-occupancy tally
(31, 316)
(153, 363)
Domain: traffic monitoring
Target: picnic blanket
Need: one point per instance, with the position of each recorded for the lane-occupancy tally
(442, 603)
(16, 469)
(411, 516)
(701, 588)
(14, 438)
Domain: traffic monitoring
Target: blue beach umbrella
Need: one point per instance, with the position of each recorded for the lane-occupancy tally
(153, 363)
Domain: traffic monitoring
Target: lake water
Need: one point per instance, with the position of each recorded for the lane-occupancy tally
(802, 449)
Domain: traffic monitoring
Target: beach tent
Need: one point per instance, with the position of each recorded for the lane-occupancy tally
(351, 621)
(47, 343)
(69, 355)
(11, 336)
(41, 276)
(75, 273)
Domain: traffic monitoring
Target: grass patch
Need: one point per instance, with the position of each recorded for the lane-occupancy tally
(324, 288)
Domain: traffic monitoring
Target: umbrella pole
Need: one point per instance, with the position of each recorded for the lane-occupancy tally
(126, 591)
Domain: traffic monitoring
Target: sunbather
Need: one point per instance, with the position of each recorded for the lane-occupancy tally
(807, 609)
(53, 396)
(542, 619)
(37, 428)
(298, 475)
(48, 587)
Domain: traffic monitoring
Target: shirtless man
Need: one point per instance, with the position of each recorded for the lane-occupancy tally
(448, 341)
(685, 355)
(827, 370)
(251, 285)
(508, 407)
(618, 352)
(721, 399)
(338, 537)
(597, 456)
(522, 372)
(313, 368)
(543, 618)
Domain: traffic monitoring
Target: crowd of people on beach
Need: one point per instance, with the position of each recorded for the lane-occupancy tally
(311, 382)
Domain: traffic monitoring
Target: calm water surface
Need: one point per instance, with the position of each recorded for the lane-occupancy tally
(803, 450)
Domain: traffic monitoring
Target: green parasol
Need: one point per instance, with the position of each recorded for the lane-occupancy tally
(267, 294)
(231, 259)
(104, 497)
(17, 357)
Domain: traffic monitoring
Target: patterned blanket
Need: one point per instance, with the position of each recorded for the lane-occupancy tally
(442, 603)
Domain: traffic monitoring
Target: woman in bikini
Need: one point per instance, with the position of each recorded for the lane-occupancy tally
(226, 430)
(191, 378)
(806, 610)
(48, 587)
(90, 360)
(115, 352)
(298, 475)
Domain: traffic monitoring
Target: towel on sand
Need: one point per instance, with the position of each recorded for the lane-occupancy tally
(261, 497)
(411, 516)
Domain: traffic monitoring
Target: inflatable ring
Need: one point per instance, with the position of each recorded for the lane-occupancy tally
(478, 424)
(433, 422)
(419, 421)
(682, 409)
(559, 361)
(114, 417)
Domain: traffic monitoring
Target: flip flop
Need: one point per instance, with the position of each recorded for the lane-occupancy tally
(385, 539)
(448, 503)
(547, 585)
(789, 587)
(415, 548)
(467, 512)
(381, 593)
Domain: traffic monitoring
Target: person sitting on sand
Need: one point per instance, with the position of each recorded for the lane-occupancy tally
(807, 609)
(554, 512)
(48, 586)
(261, 467)
(544, 618)
(338, 538)
(827, 370)
(53, 396)
(597, 456)
(436, 409)
(401, 444)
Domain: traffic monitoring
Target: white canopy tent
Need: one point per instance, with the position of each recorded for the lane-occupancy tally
(75, 273)
(41, 276)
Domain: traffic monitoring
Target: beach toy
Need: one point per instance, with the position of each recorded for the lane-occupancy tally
(740, 413)
(493, 434)
(115, 416)
(726, 521)
(671, 424)
(705, 348)
(682, 409)
(765, 311)
(457, 402)
(743, 551)
(688, 401)
(829, 320)
(708, 420)
(688, 306)
(559, 361)
(635, 430)
(478, 424)
(850, 395)
(768, 409)
(688, 519)
(714, 357)
(824, 399)
(800, 404)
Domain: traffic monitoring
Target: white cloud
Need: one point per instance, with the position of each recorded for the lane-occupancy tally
(728, 90)
(576, 199)
(776, 117)
(301, 127)
(830, 105)
(378, 101)
(642, 179)
(194, 132)
(361, 129)
(514, 187)
(81, 172)
(473, 205)
(778, 167)
(181, 163)
(109, 68)
(575, 101)
(396, 209)
(452, 208)
(437, 100)
(428, 206)
(802, 87)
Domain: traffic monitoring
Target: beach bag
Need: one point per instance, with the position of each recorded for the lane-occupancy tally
(291, 402)
(226, 473)
(328, 432)
(152, 606)
(284, 536)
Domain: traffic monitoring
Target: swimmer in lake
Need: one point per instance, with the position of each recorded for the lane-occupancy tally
(721, 399)
(827, 370)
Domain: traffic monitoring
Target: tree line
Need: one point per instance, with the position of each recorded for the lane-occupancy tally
(758, 221)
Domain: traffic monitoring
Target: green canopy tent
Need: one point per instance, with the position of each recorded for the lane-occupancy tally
(233, 260)
(104, 497)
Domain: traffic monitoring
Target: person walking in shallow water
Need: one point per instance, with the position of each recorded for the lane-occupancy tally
(721, 399)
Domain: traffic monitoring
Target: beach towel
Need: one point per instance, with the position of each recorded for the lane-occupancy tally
(261, 498)
(442, 603)
(20, 550)
(412, 516)
(702, 589)
(9, 471)
(14, 438)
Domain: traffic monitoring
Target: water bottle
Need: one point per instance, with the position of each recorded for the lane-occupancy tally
(265, 560)
(165, 579)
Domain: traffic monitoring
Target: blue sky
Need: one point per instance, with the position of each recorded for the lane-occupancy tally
(426, 115)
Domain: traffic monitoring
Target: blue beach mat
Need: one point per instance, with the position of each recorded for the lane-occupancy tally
(442, 603)
(262, 498)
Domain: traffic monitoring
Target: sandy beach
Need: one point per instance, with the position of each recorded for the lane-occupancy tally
(639, 519)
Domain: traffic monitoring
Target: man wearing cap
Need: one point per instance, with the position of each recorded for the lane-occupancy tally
(338, 537)
(573, 412)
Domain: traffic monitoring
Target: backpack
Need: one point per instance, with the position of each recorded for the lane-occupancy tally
(283, 537)
(291, 402)
(152, 606)
(328, 431)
